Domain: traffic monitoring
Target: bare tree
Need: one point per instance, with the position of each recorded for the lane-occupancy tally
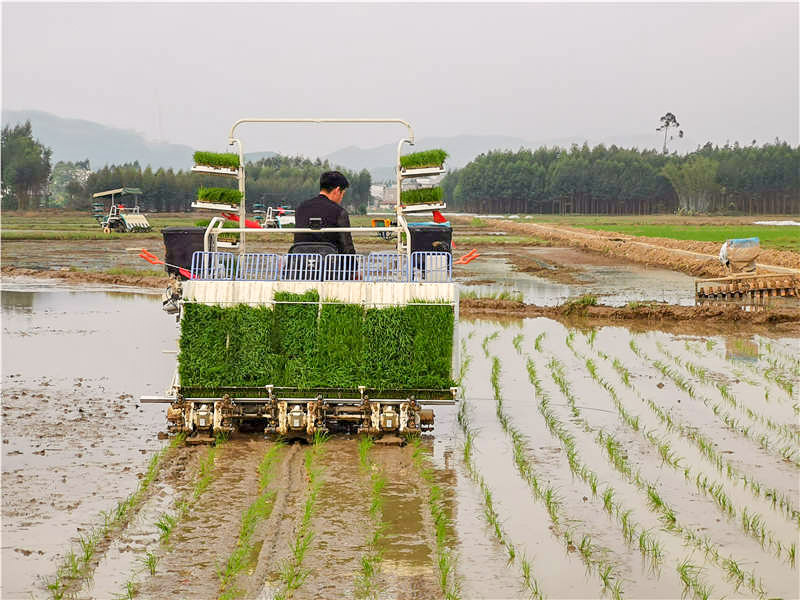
(667, 121)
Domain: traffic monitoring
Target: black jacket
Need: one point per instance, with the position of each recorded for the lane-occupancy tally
(332, 215)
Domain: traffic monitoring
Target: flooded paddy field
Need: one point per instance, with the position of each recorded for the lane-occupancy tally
(579, 463)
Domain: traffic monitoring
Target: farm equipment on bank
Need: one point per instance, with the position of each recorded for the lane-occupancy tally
(311, 340)
(744, 284)
(115, 216)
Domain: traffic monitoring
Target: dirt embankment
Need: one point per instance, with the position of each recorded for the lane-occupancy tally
(671, 254)
(145, 281)
(664, 316)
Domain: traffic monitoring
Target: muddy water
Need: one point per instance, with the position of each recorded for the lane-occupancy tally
(614, 282)
(75, 438)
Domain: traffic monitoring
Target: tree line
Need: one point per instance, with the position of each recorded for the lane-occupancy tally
(30, 182)
(600, 180)
(610, 180)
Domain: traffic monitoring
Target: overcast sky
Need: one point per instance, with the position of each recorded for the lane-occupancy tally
(184, 72)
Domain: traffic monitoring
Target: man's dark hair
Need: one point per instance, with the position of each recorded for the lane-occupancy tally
(330, 180)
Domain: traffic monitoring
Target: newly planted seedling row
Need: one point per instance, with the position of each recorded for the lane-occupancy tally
(707, 449)
(365, 584)
(593, 556)
(258, 511)
(489, 512)
(714, 490)
(445, 557)
(79, 566)
(292, 572)
(659, 505)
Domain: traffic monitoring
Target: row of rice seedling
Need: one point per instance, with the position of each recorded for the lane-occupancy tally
(658, 505)
(167, 521)
(445, 557)
(593, 556)
(80, 565)
(786, 384)
(292, 572)
(786, 452)
(632, 532)
(259, 510)
(713, 490)
(783, 356)
(365, 585)
(489, 512)
(708, 377)
(706, 447)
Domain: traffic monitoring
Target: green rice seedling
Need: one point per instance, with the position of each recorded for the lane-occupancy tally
(165, 523)
(130, 591)
(150, 561)
(792, 554)
(605, 576)
(72, 565)
(578, 305)
(432, 195)
(608, 499)
(537, 344)
(517, 341)
(585, 548)
(423, 159)
(487, 340)
(216, 159)
(219, 196)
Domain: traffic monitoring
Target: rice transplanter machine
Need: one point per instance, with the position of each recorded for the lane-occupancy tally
(397, 293)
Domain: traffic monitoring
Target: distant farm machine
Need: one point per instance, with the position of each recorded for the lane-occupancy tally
(311, 340)
(744, 284)
(113, 214)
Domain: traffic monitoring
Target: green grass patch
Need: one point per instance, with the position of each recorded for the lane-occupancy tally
(777, 238)
(219, 196)
(421, 196)
(426, 158)
(217, 159)
(510, 295)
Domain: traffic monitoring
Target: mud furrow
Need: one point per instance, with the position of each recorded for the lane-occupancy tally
(339, 523)
(199, 546)
(276, 532)
(409, 545)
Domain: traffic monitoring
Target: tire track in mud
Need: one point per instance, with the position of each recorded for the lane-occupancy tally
(408, 566)
(338, 524)
(277, 532)
(202, 542)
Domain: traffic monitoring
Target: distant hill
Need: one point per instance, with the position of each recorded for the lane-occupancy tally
(76, 139)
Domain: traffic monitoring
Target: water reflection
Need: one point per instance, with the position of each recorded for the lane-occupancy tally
(17, 301)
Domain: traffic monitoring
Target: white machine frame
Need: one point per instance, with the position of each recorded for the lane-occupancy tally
(403, 242)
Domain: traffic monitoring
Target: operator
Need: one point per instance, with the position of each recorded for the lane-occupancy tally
(327, 207)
